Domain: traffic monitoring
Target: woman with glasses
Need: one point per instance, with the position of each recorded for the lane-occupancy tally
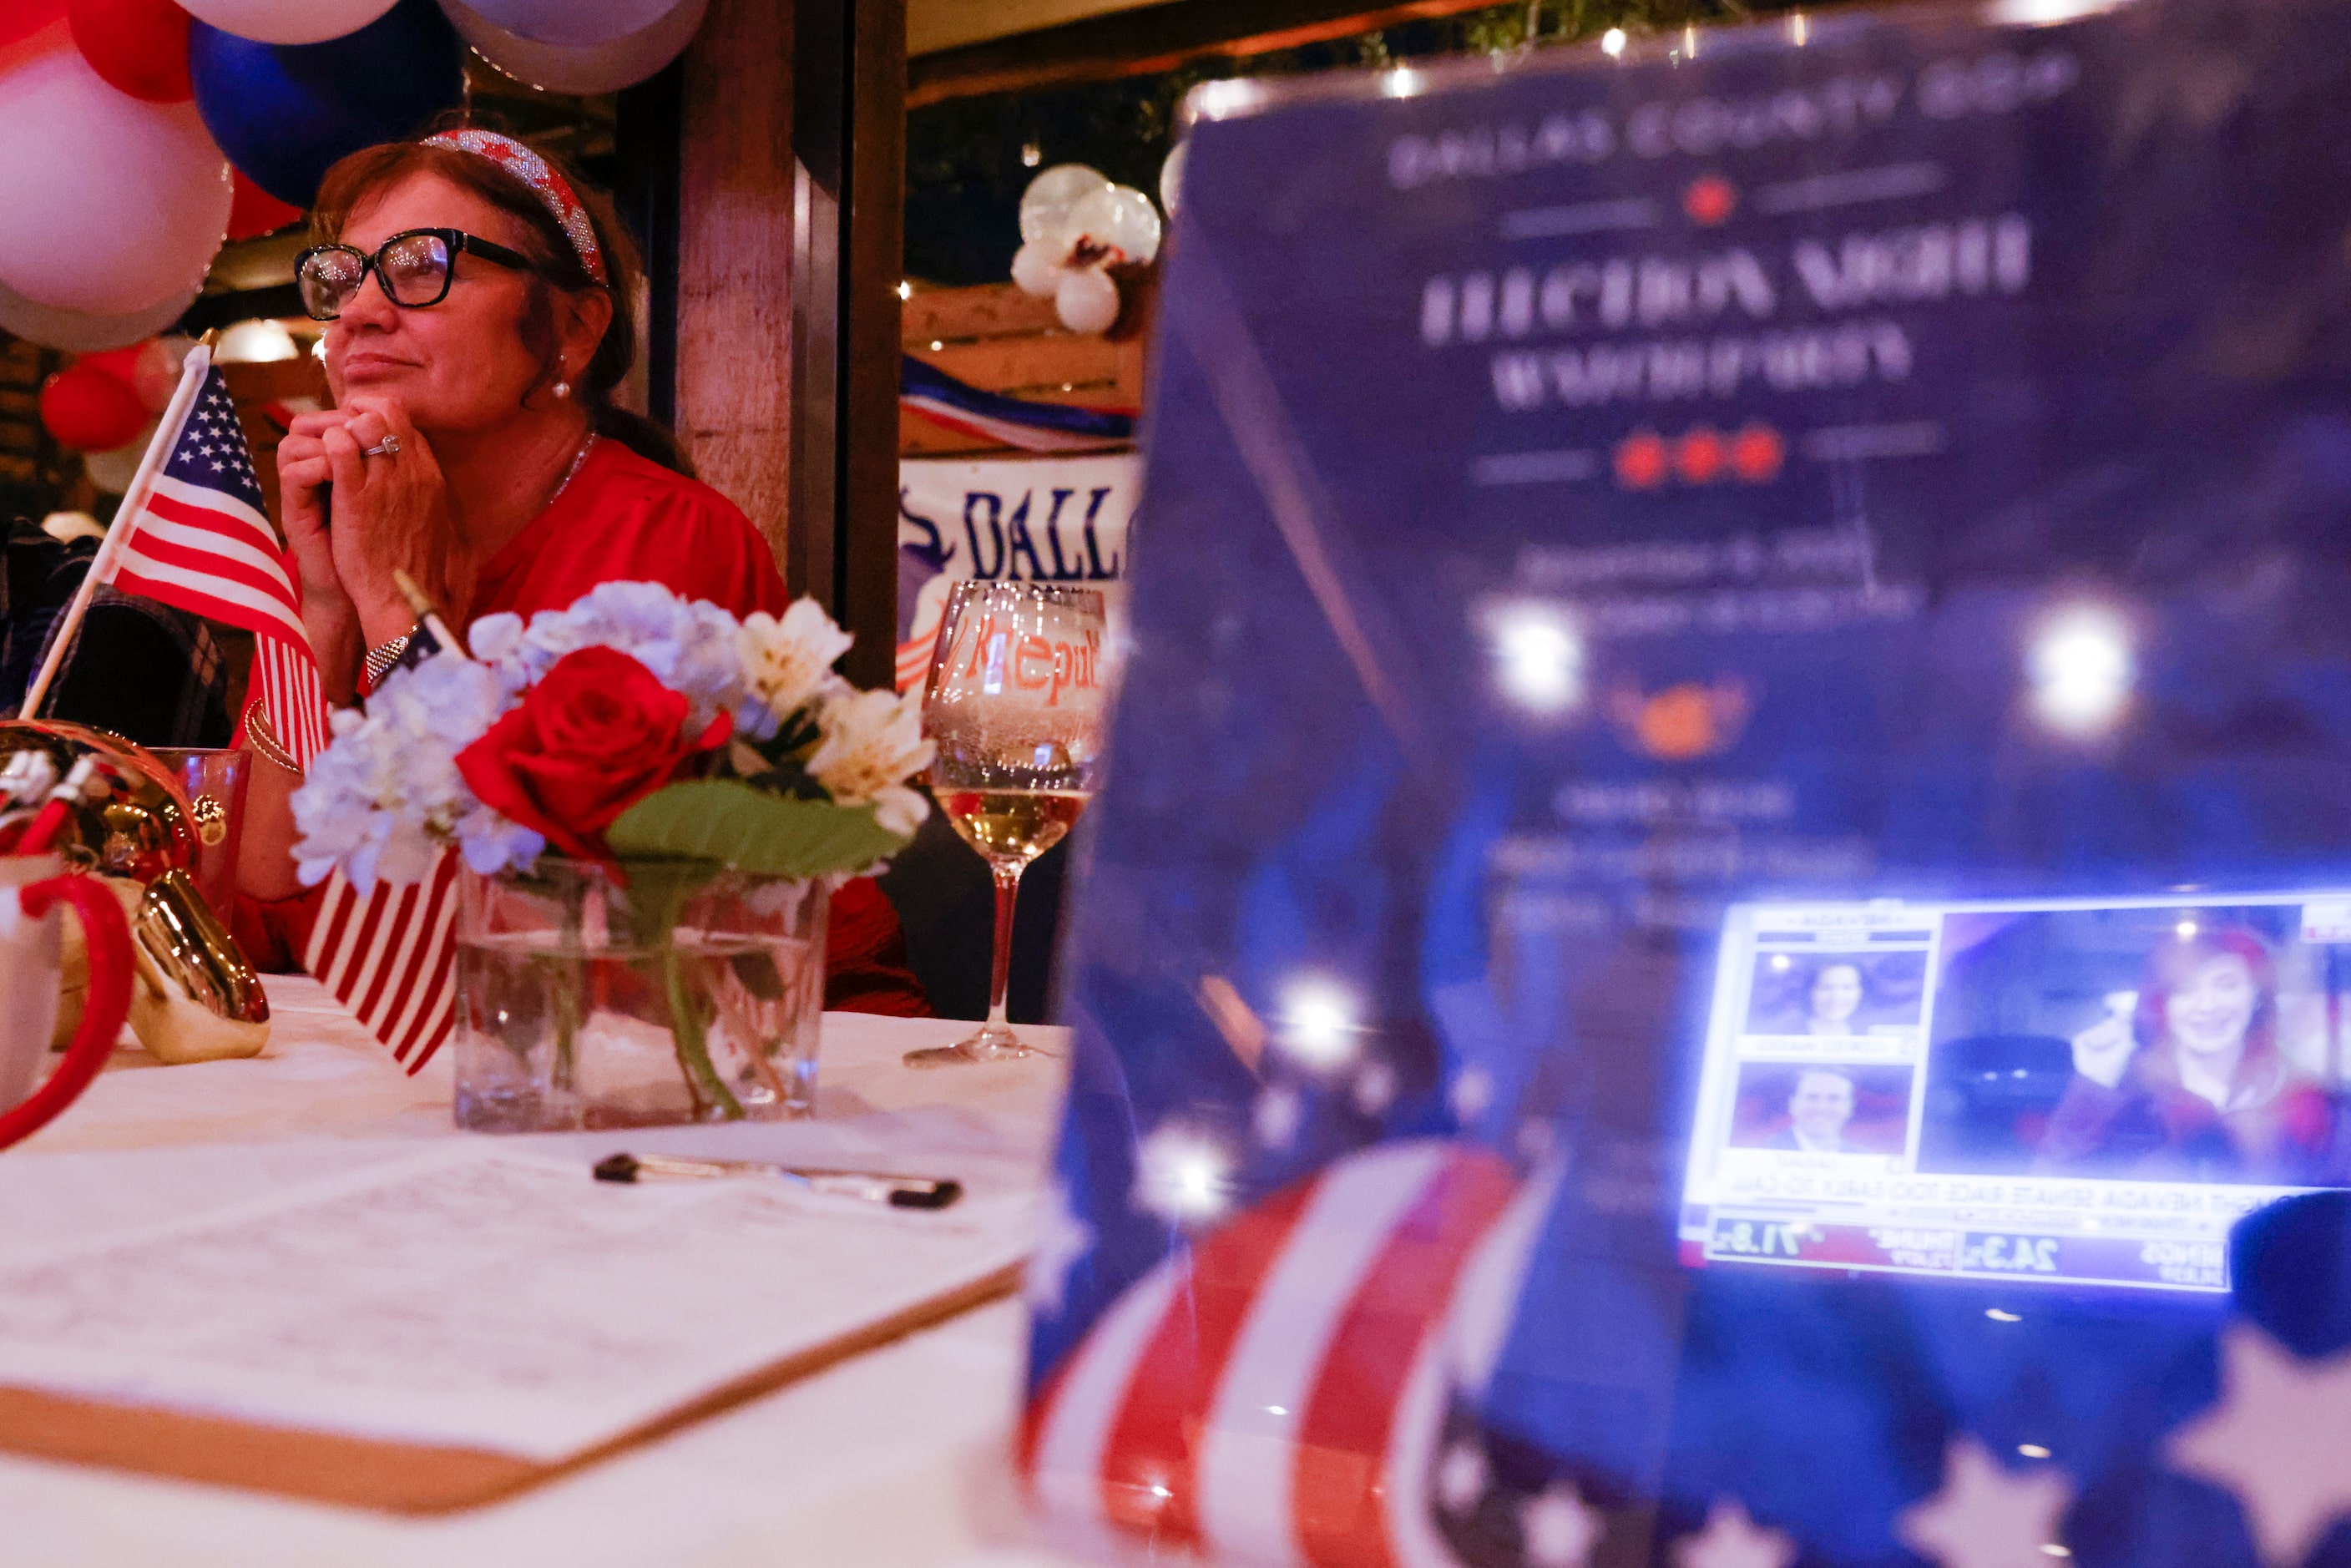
(478, 323)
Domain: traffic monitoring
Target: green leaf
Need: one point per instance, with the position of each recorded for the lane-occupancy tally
(727, 820)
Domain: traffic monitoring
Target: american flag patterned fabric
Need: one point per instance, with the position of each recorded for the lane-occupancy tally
(388, 955)
(1230, 1402)
(286, 685)
(202, 541)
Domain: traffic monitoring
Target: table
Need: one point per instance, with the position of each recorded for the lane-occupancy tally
(895, 1458)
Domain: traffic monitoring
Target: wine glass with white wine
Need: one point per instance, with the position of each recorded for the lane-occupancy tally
(1015, 708)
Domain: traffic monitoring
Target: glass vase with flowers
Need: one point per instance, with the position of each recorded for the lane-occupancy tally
(654, 802)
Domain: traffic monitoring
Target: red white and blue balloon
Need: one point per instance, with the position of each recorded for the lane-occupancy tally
(114, 206)
(288, 21)
(577, 45)
(286, 112)
(1075, 225)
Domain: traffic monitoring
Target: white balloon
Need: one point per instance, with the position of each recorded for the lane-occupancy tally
(1170, 177)
(113, 471)
(81, 333)
(605, 65)
(1087, 301)
(112, 205)
(1045, 205)
(569, 23)
(1037, 267)
(1121, 217)
(288, 21)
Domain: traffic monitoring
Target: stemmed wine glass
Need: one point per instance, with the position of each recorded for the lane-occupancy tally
(1014, 708)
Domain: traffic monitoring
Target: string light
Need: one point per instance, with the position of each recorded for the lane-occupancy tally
(1538, 656)
(1182, 1174)
(1319, 1023)
(2083, 668)
(1226, 97)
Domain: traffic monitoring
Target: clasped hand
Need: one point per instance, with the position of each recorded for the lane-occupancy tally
(352, 519)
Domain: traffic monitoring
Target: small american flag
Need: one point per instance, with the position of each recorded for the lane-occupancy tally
(389, 957)
(200, 540)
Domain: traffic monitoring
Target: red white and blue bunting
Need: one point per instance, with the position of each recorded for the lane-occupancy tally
(1015, 422)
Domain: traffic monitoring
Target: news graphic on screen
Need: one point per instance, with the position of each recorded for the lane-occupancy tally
(2087, 1093)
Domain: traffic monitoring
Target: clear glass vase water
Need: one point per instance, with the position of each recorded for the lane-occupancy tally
(655, 993)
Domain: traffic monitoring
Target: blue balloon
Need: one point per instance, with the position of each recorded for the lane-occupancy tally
(285, 112)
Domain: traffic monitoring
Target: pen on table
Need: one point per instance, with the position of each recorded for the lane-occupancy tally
(873, 1186)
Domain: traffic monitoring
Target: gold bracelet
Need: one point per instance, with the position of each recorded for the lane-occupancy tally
(259, 736)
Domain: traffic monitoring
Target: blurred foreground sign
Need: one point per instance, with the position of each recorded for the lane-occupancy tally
(1729, 831)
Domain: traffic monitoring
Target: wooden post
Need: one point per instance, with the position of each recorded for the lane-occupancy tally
(790, 192)
(874, 247)
(646, 123)
(734, 342)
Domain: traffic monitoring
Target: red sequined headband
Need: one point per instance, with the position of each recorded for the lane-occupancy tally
(534, 171)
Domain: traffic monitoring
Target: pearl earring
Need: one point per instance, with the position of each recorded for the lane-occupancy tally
(563, 389)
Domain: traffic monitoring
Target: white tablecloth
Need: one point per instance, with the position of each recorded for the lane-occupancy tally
(894, 1458)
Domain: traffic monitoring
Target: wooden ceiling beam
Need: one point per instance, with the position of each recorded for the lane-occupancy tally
(1153, 38)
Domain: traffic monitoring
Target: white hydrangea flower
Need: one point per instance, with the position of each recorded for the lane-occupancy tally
(689, 645)
(787, 663)
(873, 742)
(494, 639)
(386, 795)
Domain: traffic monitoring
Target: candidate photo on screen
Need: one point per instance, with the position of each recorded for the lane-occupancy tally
(1832, 1108)
(2152, 1044)
(1832, 995)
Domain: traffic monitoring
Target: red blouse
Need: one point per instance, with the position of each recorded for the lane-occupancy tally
(624, 518)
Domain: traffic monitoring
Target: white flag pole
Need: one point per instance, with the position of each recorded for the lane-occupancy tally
(167, 437)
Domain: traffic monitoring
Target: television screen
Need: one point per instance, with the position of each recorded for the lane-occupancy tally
(2066, 1091)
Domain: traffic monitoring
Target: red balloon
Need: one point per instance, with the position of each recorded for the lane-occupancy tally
(254, 211)
(123, 364)
(23, 18)
(138, 46)
(90, 411)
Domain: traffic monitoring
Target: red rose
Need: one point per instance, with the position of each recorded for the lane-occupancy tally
(596, 735)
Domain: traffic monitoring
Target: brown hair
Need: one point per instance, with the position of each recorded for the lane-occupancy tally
(365, 173)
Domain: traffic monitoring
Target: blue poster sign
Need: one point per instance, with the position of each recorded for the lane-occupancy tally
(1728, 866)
